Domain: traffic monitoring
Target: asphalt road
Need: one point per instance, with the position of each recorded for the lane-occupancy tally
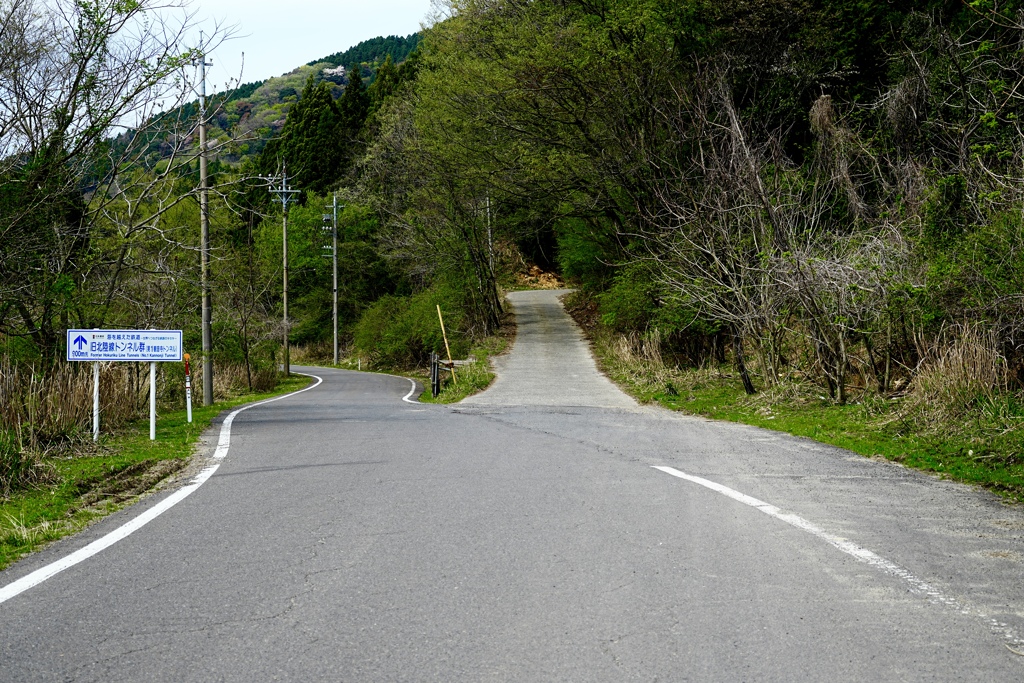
(527, 535)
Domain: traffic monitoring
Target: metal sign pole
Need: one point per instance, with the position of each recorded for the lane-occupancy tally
(149, 346)
(152, 401)
(96, 401)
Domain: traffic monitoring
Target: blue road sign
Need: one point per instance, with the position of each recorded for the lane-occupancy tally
(124, 345)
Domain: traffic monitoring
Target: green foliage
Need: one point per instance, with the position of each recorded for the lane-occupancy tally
(312, 146)
(403, 331)
(585, 252)
(354, 106)
(385, 84)
(373, 51)
(631, 302)
(946, 211)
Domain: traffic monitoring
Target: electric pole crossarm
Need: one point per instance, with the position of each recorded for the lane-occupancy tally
(284, 196)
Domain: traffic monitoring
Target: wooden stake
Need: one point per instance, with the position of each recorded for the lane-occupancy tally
(449, 351)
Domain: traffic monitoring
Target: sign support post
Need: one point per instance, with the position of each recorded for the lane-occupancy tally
(152, 401)
(188, 389)
(96, 401)
(96, 346)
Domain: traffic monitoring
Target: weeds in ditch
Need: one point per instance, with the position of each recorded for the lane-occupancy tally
(955, 418)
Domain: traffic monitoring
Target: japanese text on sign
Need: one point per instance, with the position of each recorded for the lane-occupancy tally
(124, 345)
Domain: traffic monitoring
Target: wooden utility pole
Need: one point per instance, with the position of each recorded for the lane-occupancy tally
(284, 195)
(334, 262)
(204, 222)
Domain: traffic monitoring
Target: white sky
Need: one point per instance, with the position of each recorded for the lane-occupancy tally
(278, 36)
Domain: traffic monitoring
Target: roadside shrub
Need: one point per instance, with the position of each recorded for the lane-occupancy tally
(584, 253)
(630, 304)
(965, 375)
(635, 304)
(403, 331)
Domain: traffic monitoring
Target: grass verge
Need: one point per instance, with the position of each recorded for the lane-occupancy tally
(470, 379)
(894, 429)
(476, 376)
(123, 466)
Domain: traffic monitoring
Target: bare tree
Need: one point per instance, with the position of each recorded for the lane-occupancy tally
(72, 76)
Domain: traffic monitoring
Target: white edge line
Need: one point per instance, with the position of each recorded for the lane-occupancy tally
(852, 549)
(43, 573)
(408, 397)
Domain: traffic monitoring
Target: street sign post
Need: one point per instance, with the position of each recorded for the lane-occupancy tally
(153, 346)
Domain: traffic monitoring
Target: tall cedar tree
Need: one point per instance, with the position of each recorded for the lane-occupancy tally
(354, 106)
(385, 84)
(313, 144)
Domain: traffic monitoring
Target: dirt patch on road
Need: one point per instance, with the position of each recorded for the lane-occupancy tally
(126, 484)
(535, 278)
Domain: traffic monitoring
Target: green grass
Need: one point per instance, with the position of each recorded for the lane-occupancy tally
(469, 379)
(969, 452)
(105, 478)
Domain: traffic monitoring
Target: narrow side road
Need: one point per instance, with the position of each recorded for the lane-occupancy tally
(349, 535)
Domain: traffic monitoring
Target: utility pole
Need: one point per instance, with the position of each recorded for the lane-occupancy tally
(333, 217)
(284, 195)
(490, 237)
(204, 220)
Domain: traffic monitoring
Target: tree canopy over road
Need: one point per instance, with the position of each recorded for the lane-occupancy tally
(823, 191)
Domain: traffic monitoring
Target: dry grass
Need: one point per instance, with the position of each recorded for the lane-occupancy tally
(48, 412)
(315, 354)
(232, 379)
(959, 390)
(43, 413)
(964, 368)
(636, 360)
(43, 407)
(961, 387)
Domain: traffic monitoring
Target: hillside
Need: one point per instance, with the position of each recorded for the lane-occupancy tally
(373, 51)
(248, 116)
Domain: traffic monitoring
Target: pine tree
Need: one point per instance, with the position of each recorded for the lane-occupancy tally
(354, 105)
(384, 85)
(312, 140)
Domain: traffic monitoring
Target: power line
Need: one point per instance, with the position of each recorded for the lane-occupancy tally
(284, 196)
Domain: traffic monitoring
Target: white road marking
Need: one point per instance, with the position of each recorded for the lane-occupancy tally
(407, 398)
(850, 548)
(223, 443)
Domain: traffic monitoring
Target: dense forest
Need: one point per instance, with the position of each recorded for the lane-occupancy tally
(822, 191)
(373, 51)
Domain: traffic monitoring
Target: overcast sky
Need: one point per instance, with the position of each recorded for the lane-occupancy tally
(277, 36)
